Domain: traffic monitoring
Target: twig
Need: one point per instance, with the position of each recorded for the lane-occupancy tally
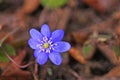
(20, 66)
(74, 74)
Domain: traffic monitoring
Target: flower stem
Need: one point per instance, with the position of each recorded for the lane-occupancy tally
(35, 74)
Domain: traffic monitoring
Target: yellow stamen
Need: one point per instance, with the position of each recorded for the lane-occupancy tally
(46, 45)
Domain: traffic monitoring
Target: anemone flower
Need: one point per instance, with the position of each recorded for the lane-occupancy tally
(47, 44)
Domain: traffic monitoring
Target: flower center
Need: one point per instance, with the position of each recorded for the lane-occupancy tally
(46, 45)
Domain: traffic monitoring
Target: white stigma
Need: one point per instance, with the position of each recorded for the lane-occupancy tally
(46, 45)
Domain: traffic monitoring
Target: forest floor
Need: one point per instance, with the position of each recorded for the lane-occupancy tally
(92, 27)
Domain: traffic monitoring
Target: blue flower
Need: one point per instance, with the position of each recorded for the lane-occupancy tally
(48, 45)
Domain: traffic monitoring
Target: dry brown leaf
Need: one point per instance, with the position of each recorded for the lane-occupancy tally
(117, 34)
(77, 55)
(54, 17)
(29, 6)
(58, 18)
(63, 18)
(1, 26)
(116, 15)
(73, 3)
(108, 52)
(43, 16)
(3, 65)
(10, 39)
(117, 30)
(12, 78)
(101, 6)
(106, 26)
(78, 37)
(115, 72)
(17, 71)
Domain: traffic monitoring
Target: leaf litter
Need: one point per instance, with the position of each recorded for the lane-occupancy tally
(83, 21)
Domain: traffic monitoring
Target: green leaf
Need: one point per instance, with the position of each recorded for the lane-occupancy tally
(117, 50)
(53, 3)
(3, 57)
(49, 70)
(87, 50)
(9, 49)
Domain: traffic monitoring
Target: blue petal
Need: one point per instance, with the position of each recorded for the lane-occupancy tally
(36, 35)
(32, 43)
(45, 30)
(57, 35)
(61, 46)
(36, 53)
(55, 58)
(41, 57)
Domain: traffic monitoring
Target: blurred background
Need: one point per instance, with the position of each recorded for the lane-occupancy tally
(91, 26)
